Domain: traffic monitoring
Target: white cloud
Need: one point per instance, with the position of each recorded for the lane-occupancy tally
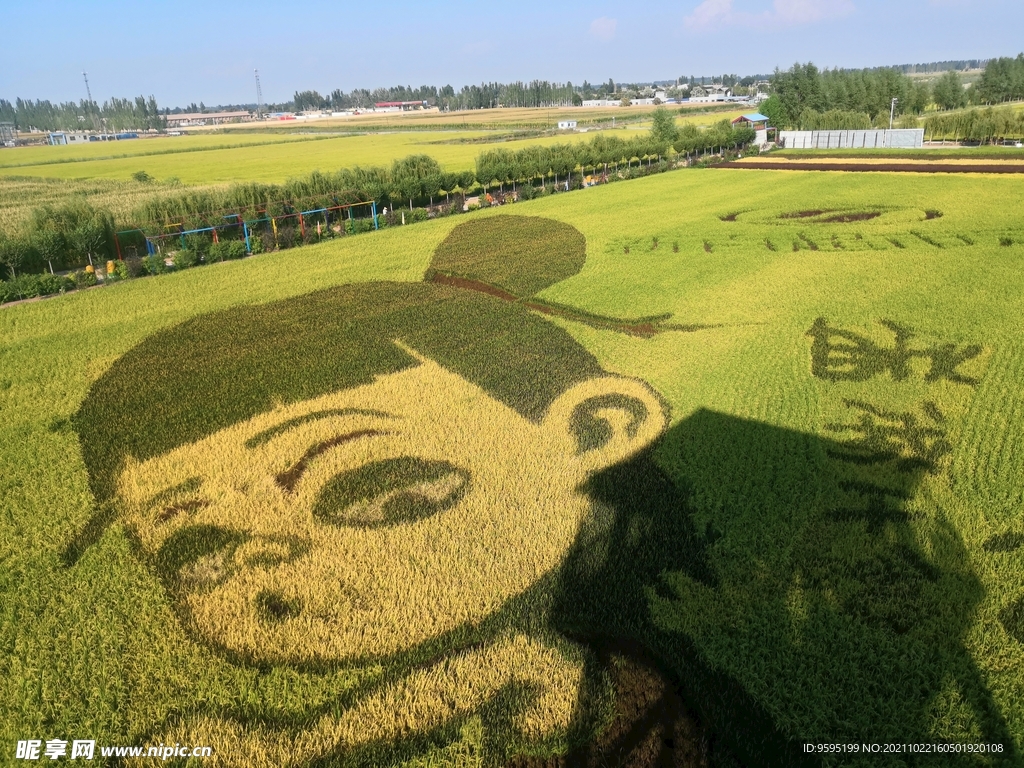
(783, 13)
(603, 28)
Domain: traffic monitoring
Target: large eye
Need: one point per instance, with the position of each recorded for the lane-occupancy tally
(198, 556)
(390, 492)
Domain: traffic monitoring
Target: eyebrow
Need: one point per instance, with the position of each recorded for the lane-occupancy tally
(175, 493)
(267, 435)
(290, 477)
(191, 485)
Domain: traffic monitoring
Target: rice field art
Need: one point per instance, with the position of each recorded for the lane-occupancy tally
(551, 493)
(355, 516)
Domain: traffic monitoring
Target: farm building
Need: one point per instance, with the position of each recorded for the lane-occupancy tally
(59, 138)
(566, 125)
(753, 120)
(207, 118)
(709, 93)
(758, 122)
(400, 106)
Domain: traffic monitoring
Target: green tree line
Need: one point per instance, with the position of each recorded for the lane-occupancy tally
(664, 142)
(537, 93)
(980, 125)
(115, 114)
(803, 88)
(1002, 80)
(803, 95)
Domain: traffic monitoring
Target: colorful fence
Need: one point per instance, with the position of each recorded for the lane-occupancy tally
(157, 233)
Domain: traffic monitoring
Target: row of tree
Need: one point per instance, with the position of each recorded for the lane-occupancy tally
(1002, 80)
(801, 87)
(137, 114)
(58, 236)
(75, 234)
(942, 66)
(804, 87)
(607, 153)
(833, 120)
(420, 179)
(537, 93)
(980, 125)
(803, 91)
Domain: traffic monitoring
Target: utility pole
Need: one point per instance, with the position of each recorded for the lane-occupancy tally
(259, 96)
(892, 111)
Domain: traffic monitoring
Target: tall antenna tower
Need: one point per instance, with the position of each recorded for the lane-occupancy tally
(259, 96)
(88, 91)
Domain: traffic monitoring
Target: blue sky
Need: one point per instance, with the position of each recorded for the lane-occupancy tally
(187, 50)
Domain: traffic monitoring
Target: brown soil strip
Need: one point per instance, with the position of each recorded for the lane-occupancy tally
(801, 214)
(846, 218)
(878, 167)
(472, 285)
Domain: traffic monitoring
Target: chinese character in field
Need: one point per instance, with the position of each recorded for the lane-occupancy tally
(842, 355)
(905, 438)
(83, 748)
(28, 749)
(876, 504)
(56, 748)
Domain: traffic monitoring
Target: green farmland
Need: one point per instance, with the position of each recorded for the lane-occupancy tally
(263, 156)
(790, 406)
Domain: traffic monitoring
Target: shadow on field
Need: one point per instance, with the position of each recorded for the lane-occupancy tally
(738, 573)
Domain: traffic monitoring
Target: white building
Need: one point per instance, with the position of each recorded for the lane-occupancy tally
(567, 125)
(59, 138)
(185, 119)
(705, 94)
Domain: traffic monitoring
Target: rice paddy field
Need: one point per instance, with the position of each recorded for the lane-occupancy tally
(695, 469)
(19, 195)
(257, 157)
(499, 119)
(34, 176)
